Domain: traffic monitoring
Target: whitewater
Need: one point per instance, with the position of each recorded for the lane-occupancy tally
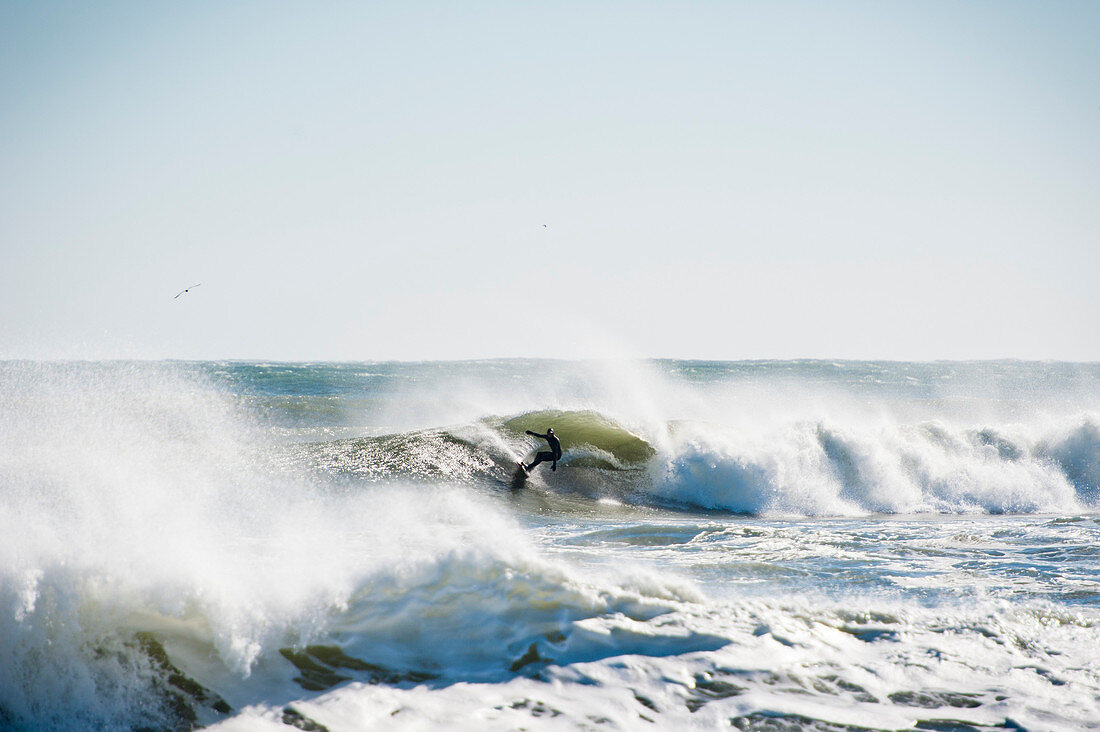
(767, 545)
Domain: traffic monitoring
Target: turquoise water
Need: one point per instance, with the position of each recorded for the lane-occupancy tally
(767, 545)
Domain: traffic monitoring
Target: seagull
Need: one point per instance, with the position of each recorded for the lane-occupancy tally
(192, 287)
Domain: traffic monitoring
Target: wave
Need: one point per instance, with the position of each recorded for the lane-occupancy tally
(802, 467)
(159, 570)
(593, 438)
(440, 589)
(490, 447)
(823, 468)
(164, 563)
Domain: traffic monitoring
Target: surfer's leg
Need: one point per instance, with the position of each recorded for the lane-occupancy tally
(540, 458)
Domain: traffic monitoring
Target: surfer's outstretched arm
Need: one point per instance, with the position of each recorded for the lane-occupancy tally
(536, 434)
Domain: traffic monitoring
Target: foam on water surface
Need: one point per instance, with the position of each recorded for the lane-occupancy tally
(251, 546)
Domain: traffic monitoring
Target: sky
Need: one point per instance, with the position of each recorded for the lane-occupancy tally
(415, 180)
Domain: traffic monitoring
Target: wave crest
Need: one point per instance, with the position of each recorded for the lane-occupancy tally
(803, 467)
(820, 468)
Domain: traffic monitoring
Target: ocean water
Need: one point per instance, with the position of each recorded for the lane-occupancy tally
(751, 545)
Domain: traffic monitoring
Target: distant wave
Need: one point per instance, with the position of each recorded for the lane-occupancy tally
(810, 467)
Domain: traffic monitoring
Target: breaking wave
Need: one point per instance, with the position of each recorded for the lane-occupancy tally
(807, 467)
(159, 570)
(166, 562)
(824, 468)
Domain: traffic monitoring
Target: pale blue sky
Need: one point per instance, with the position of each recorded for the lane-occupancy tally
(718, 180)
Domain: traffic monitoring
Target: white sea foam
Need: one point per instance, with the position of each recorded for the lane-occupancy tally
(796, 439)
(835, 468)
(804, 663)
(146, 499)
(137, 499)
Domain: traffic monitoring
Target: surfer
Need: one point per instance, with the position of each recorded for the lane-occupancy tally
(553, 455)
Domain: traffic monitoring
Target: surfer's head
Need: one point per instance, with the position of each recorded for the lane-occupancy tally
(550, 430)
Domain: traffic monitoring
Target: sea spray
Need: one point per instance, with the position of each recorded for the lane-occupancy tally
(248, 544)
(142, 510)
(805, 467)
(813, 468)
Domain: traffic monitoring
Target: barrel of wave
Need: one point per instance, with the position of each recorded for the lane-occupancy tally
(588, 438)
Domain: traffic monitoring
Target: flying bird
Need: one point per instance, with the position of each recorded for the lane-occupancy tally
(192, 287)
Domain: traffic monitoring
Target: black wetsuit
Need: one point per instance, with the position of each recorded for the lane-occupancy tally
(554, 454)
